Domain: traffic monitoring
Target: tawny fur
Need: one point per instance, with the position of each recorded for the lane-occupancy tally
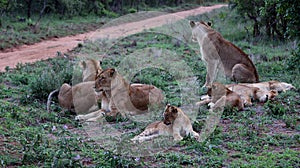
(122, 98)
(247, 93)
(176, 123)
(271, 85)
(80, 98)
(221, 55)
(89, 69)
(217, 91)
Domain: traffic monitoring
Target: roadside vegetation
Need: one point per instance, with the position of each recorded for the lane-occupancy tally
(29, 22)
(265, 135)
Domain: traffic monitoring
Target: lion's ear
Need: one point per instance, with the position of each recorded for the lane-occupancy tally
(100, 62)
(209, 24)
(98, 71)
(174, 110)
(112, 72)
(192, 24)
(83, 64)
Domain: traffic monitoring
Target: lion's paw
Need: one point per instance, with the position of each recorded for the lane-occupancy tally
(211, 105)
(79, 118)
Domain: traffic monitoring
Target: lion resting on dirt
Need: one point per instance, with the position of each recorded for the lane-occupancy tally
(122, 97)
(220, 54)
(175, 123)
(217, 93)
(80, 97)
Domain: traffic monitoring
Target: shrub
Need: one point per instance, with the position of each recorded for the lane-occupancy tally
(293, 61)
(50, 79)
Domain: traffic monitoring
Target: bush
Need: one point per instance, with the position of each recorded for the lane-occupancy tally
(293, 61)
(50, 78)
(279, 18)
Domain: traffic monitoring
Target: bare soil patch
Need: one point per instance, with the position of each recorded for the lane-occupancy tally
(49, 48)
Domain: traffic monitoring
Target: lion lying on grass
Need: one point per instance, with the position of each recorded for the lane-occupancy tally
(261, 92)
(220, 54)
(249, 93)
(217, 92)
(122, 98)
(175, 123)
(271, 85)
(80, 98)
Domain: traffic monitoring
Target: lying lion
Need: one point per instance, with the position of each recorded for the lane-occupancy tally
(247, 93)
(80, 98)
(271, 85)
(122, 98)
(175, 123)
(220, 54)
(217, 92)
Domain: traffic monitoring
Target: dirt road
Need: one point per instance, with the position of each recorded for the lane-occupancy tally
(49, 48)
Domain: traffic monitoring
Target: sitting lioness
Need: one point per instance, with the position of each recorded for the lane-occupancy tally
(122, 97)
(175, 123)
(220, 54)
(80, 98)
(89, 69)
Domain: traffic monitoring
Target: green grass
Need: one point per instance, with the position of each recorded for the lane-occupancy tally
(265, 135)
(15, 33)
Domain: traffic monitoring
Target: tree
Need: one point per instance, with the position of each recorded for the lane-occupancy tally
(281, 18)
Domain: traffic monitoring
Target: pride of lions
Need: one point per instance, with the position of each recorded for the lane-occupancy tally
(118, 97)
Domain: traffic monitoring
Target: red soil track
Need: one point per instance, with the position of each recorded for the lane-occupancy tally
(49, 48)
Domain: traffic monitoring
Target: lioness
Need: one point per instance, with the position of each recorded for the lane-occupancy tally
(89, 69)
(80, 98)
(271, 85)
(122, 97)
(217, 92)
(247, 93)
(220, 54)
(175, 123)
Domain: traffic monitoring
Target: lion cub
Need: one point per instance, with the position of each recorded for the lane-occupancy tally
(175, 123)
(220, 54)
(218, 92)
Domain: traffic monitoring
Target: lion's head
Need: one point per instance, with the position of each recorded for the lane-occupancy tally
(89, 69)
(170, 114)
(103, 79)
(199, 29)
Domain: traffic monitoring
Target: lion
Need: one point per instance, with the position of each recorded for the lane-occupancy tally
(89, 69)
(122, 98)
(175, 123)
(80, 98)
(218, 92)
(247, 93)
(220, 54)
(272, 85)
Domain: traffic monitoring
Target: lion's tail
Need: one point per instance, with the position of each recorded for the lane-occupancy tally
(49, 99)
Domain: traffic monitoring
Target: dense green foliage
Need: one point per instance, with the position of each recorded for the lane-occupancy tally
(70, 8)
(264, 135)
(276, 18)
